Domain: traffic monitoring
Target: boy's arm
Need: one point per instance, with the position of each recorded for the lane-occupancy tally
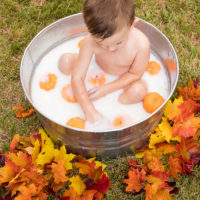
(77, 80)
(135, 72)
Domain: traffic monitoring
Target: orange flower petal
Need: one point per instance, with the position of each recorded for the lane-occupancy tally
(67, 94)
(152, 101)
(50, 84)
(76, 122)
(121, 121)
(153, 68)
(96, 78)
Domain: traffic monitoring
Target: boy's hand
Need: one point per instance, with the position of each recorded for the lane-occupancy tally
(97, 92)
(101, 123)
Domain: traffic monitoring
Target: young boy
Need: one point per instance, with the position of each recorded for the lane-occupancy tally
(119, 48)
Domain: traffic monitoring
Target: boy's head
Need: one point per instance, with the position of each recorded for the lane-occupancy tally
(105, 17)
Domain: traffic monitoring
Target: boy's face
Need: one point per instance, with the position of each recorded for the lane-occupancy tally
(114, 42)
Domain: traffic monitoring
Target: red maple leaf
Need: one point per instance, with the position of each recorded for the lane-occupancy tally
(36, 135)
(102, 186)
(195, 82)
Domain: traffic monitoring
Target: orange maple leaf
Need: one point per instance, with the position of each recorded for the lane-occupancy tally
(188, 109)
(59, 172)
(153, 163)
(26, 192)
(162, 194)
(148, 191)
(174, 166)
(134, 180)
(187, 128)
(58, 186)
(35, 177)
(190, 91)
(85, 167)
(182, 149)
(26, 177)
(21, 111)
(14, 143)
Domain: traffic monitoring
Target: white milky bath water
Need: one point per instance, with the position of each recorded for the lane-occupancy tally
(52, 105)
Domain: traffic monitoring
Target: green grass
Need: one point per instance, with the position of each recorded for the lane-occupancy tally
(21, 20)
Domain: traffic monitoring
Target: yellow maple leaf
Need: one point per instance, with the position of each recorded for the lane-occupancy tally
(62, 155)
(98, 163)
(166, 129)
(166, 148)
(21, 159)
(45, 156)
(142, 153)
(171, 111)
(17, 159)
(59, 172)
(77, 184)
(45, 139)
(47, 152)
(156, 138)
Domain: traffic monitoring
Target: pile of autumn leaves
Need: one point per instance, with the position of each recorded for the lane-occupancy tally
(36, 169)
(174, 148)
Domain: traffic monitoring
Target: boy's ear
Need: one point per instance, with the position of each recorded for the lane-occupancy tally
(135, 21)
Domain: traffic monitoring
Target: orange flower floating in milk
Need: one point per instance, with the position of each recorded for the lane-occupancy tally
(96, 78)
(152, 101)
(68, 95)
(153, 68)
(76, 122)
(50, 83)
(121, 121)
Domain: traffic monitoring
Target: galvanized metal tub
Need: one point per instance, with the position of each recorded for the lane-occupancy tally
(88, 143)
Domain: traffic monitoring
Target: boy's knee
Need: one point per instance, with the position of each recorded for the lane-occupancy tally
(65, 63)
(134, 93)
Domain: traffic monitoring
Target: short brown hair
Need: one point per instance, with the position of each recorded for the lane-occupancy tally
(104, 17)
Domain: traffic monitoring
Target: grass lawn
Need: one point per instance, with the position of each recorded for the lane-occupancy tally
(21, 20)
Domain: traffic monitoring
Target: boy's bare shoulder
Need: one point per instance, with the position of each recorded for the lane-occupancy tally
(140, 39)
